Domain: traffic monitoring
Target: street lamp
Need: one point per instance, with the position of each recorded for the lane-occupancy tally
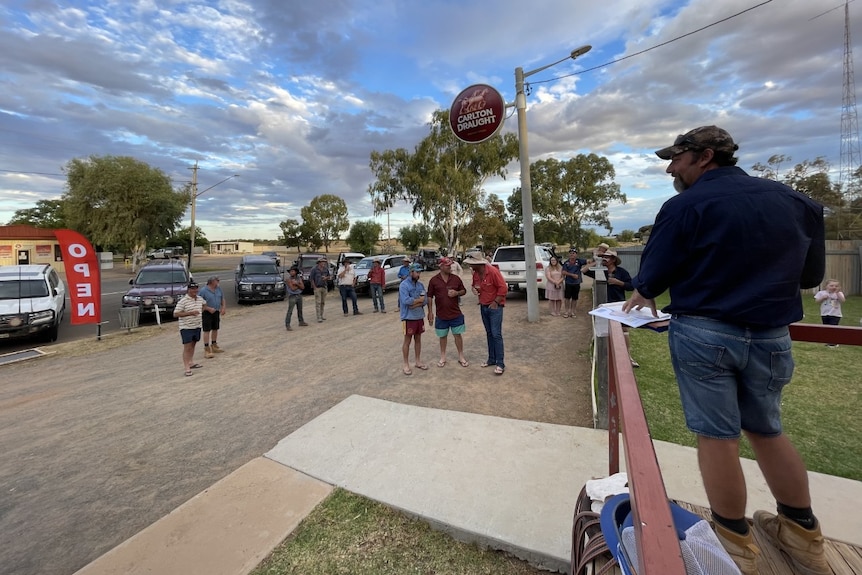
(526, 190)
(195, 195)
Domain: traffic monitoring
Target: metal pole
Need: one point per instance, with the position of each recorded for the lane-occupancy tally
(526, 199)
(194, 198)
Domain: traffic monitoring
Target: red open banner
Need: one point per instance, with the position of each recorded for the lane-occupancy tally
(83, 277)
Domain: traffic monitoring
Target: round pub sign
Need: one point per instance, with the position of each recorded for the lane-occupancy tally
(477, 113)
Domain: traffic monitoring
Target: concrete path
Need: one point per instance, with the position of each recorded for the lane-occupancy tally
(506, 483)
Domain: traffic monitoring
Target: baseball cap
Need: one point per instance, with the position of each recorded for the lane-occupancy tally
(701, 138)
(192, 285)
(415, 268)
(445, 261)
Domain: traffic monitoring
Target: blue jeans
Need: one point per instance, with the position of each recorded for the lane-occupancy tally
(730, 377)
(293, 301)
(492, 319)
(348, 292)
(377, 296)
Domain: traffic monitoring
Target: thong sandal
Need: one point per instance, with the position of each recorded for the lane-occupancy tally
(441, 363)
(421, 366)
(498, 370)
(195, 366)
(189, 373)
(407, 371)
(463, 362)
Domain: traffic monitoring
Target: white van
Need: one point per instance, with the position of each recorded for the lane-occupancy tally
(512, 263)
(32, 301)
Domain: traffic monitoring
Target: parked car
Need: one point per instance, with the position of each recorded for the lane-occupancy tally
(428, 258)
(273, 255)
(158, 284)
(352, 257)
(390, 263)
(166, 253)
(32, 301)
(257, 278)
(511, 261)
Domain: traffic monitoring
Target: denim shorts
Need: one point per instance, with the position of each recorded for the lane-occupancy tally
(730, 376)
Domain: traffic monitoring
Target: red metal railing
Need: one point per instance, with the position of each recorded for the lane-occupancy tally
(657, 542)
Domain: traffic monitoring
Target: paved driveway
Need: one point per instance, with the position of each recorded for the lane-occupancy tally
(98, 446)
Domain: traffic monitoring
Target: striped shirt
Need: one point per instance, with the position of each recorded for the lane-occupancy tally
(188, 304)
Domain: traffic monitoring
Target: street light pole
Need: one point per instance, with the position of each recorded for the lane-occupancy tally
(526, 189)
(194, 198)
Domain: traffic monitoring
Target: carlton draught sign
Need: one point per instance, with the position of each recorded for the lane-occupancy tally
(477, 114)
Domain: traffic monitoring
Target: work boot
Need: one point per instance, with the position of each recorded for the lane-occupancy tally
(288, 328)
(303, 324)
(208, 352)
(803, 546)
(741, 548)
(216, 348)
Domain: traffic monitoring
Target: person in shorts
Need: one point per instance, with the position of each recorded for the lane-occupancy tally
(188, 313)
(729, 339)
(412, 297)
(445, 289)
(214, 309)
(573, 278)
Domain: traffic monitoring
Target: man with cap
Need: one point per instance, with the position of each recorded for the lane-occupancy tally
(213, 311)
(347, 286)
(295, 287)
(319, 279)
(572, 283)
(728, 336)
(489, 285)
(412, 298)
(445, 289)
(403, 273)
(376, 285)
(188, 312)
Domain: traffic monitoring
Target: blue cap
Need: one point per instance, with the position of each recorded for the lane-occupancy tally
(415, 268)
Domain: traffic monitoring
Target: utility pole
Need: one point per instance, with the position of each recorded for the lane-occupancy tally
(194, 194)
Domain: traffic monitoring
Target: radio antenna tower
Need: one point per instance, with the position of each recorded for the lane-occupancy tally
(851, 158)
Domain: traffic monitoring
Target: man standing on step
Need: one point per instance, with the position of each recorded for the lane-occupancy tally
(212, 314)
(728, 336)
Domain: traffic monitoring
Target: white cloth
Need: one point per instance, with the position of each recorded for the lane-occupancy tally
(599, 490)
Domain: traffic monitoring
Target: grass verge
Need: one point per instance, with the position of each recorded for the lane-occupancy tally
(820, 408)
(349, 534)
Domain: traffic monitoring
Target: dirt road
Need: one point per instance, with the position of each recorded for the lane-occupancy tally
(98, 445)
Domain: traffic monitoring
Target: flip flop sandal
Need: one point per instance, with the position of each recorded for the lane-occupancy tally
(421, 366)
(407, 371)
(440, 364)
(189, 373)
(498, 370)
(464, 363)
(195, 366)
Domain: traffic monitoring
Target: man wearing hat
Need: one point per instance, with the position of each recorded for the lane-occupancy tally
(403, 273)
(188, 313)
(489, 285)
(213, 311)
(319, 279)
(295, 287)
(412, 298)
(728, 336)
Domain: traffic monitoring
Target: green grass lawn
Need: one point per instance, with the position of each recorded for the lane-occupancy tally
(821, 406)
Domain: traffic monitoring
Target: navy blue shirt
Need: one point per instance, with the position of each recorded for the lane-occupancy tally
(615, 292)
(574, 268)
(735, 248)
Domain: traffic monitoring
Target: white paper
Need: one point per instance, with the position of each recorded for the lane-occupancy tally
(635, 318)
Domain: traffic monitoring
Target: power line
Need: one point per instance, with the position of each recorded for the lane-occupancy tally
(656, 46)
(32, 173)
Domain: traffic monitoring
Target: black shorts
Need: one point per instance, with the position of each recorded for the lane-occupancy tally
(211, 321)
(190, 335)
(572, 291)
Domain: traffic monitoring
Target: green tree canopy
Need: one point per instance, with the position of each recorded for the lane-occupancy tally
(46, 214)
(323, 220)
(291, 234)
(121, 202)
(412, 237)
(574, 193)
(183, 238)
(363, 236)
(442, 179)
(488, 226)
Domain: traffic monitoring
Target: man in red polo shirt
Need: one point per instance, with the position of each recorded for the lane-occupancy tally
(489, 285)
(445, 289)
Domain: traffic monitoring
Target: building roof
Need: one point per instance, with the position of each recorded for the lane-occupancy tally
(22, 232)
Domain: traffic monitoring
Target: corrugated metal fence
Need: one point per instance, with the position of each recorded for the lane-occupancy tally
(843, 263)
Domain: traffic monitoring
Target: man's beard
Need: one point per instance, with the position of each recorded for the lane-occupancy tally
(679, 185)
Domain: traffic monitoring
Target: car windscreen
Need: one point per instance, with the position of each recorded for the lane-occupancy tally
(260, 269)
(154, 277)
(510, 255)
(364, 264)
(19, 289)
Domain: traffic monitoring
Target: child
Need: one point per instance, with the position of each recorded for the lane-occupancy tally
(830, 300)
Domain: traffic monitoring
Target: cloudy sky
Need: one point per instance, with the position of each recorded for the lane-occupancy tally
(293, 96)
